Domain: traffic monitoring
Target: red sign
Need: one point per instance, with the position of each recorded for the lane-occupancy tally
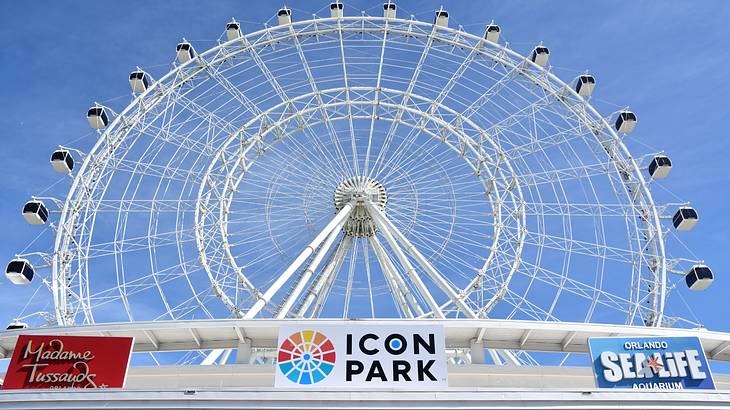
(64, 362)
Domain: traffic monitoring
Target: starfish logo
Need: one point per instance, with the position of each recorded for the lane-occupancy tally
(654, 364)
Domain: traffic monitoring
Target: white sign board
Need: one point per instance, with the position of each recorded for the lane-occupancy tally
(361, 357)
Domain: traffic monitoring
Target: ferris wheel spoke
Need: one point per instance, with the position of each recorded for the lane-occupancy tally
(520, 304)
(578, 288)
(390, 229)
(580, 210)
(138, 244)
(348, 99)
(563, 175)
(443, 94)
(144, 282)
(342, 163)
(320, 102)
(411, 84)
(304, 278)
(286, 275)
(399, 291)
(597, 250)
(366, 257)
(323, 285)
(205, 114)
(350, 278)
(493, 91)
(145, 205)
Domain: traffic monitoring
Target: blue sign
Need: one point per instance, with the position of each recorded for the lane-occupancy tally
(669, 363)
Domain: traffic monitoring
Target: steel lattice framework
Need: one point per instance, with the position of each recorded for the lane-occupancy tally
(360, 167)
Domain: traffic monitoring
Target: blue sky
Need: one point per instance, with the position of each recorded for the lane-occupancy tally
(666, 60)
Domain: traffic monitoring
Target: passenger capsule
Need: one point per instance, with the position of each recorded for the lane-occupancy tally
(389, 10)
(625, 122)
(284, 16)
(585, 85)
(233, 30)
(540, 56)
(685, 218)
(659, 167)
(35, 212)
(20, 271)
(62, 161)
(492, 33)
(700, 277)
(185, 52)
(16, 325)
(442, 18)
(97, 117)
(337, 10)
(139, 81)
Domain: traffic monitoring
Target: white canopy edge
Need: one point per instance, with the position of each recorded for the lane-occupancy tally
(182, 335)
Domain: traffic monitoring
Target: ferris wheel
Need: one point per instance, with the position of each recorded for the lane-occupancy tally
(358, 167)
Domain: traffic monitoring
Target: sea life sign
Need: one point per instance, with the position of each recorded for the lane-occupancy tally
(61, 362)
(361, 357)
(668, 363)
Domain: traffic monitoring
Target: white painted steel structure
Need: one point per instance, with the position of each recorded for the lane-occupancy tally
(360, 167)
(461, 335)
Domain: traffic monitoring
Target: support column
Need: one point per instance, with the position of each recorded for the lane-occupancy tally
(309, 272)
(243, 356)
(477, 351)
(284, 277)
(423, 290)
(381, 219)
(321, 286)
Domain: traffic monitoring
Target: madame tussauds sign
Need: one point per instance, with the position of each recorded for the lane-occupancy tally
(361, 357)
(58, 362)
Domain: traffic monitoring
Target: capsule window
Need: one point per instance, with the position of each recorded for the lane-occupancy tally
(703, 273)
(31, 207)
(689, 213)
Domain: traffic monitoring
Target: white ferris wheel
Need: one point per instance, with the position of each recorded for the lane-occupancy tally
(364, 166)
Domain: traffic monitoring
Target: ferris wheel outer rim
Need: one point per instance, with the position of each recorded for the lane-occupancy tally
(59, 298)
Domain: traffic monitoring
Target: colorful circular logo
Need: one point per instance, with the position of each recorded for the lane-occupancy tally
(306, 357)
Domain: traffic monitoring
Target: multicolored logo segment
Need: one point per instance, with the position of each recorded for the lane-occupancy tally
(306, 357)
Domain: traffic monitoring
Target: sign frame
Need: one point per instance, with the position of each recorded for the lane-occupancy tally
(361, 357)
(69, 362)
(651, 346)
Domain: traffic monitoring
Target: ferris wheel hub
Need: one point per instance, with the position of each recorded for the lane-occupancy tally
(360, 190)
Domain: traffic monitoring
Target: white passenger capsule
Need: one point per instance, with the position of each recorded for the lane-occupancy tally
(540, 56)
(97, 117)
(625, 122)
(284, 16)
(20, 271)
(660, 167)
(491, 34)
(700, 277)
(35, 212)
(16, 325)
(233, 30)
(62, 161)
(685, 218)
(585, 85)
(337, 10)
(185, 52)
(139, 81)
(389, 10)
(441, 18)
